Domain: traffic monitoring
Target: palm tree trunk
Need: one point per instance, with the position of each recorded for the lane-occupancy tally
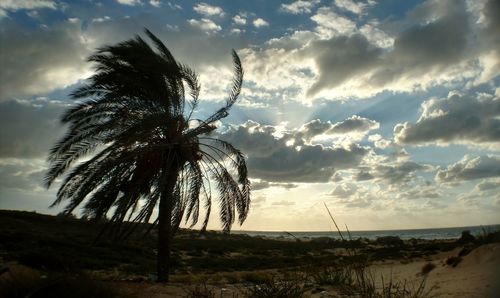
(165, 226)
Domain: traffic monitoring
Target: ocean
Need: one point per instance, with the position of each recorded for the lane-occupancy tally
(428, 234)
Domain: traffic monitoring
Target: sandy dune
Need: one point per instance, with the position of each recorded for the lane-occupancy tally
(477, 275)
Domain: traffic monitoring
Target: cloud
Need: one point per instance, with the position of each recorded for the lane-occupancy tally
(239, 20)
(258, 23)
(205, 25)
(363, 176)
(420, 193)
(344, 190)
(379, 141)
(14, 5)
(346, 58)
(261, 184)
(129, 2)
(331, 24)
(185, 41)
(272, 158)
(29, 128)
(174, 6)
(299, 6)
(208, 10)
(39, 60)
(459, 118)
(155, 3)
(489, 42)
(22, 174)
(356, 7)
(313, 163)
(341, 58)
(439, 47)
(355, 126)
(398, 173)
(101, 19)
(487, 186)
(431, 47)
(470, 168)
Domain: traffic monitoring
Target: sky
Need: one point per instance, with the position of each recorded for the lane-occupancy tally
(386, 111)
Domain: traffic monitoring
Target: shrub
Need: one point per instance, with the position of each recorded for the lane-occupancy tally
(466, 237)
(257, 277)
(276, 288)
(30, 285)
(453, 261)
(427, 268)
(389, 241)
(200, 291)
(332, 276)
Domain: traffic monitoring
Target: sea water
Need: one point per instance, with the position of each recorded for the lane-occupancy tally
(435, 233)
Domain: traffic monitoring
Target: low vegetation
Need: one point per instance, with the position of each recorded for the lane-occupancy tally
(27, 284)
(64, 252)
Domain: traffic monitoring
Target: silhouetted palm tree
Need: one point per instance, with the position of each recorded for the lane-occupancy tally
(146, 150)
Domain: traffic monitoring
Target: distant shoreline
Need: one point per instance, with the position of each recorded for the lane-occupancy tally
(405, 234)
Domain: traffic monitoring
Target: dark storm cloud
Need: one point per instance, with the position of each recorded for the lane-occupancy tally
(39, 60)
(270, 159)
(29, 128)
(471, 168)
(471, 119)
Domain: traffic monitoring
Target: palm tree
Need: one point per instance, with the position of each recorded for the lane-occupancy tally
(144, 148)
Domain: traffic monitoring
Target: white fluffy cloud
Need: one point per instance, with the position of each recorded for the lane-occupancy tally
(357, 7)
(459, 118)
(330, 23)
(239, 20)
(299, 6)
(208, 10)
(155, 3)
(14, 5)
(129, 2)
(205, 25)
(259, 22)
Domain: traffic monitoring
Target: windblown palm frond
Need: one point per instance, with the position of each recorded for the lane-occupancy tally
(134, 123)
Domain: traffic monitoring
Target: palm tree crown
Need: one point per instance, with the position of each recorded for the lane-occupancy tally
(146, 149)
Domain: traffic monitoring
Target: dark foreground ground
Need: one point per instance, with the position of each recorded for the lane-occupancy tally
(42, 253)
